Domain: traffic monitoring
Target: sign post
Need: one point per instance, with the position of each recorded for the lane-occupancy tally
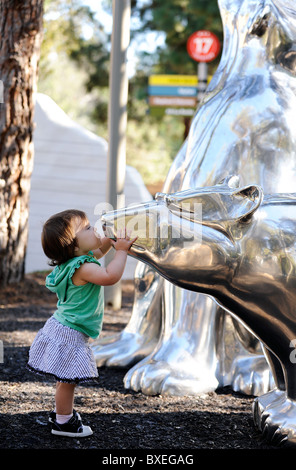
(172, 94)
(117, 122)
(203, 47)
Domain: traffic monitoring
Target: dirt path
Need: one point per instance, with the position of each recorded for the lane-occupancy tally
(120, 418)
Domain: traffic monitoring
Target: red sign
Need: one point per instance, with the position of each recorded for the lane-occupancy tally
(203, 46)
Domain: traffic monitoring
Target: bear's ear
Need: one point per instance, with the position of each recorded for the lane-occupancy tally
(216, 206)
(245, 202)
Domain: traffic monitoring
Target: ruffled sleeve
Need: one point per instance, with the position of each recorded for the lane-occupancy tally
(77, 262)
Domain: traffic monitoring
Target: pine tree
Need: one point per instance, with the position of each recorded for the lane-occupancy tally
(20, 40)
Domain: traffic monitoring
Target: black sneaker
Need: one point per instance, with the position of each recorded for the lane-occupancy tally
(73, 428)
(53, 415)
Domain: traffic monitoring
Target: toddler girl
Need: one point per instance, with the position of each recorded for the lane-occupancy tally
(60, 349)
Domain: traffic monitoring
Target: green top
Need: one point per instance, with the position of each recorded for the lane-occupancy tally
(79, 307)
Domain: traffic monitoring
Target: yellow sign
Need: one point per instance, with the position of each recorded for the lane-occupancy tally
(181, 80)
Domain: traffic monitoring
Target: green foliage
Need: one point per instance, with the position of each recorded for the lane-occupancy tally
(178, 19)
(64, 23)
(151, 147)
(74, 70)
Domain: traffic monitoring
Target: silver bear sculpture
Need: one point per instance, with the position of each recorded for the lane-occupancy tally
(179, 341)
(239, 249)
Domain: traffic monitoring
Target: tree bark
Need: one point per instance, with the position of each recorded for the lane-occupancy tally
(20, 41)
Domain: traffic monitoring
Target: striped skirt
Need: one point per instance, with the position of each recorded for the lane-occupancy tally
(62, 353)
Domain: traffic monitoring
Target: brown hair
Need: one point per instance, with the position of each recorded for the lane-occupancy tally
(58, 236)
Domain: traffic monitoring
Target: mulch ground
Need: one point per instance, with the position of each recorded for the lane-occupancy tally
(123, 421)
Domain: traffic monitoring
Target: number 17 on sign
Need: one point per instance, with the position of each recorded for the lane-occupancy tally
(203, 46)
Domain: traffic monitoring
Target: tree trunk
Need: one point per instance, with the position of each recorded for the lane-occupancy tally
(20, 40)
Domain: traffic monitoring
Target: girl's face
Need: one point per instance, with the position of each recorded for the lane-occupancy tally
(86, 238)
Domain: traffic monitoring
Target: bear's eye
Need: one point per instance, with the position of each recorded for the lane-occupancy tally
(261, 25)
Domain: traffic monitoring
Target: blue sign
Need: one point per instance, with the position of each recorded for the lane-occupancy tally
(184, 91)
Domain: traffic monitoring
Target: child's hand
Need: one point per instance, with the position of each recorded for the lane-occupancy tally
(123, 241)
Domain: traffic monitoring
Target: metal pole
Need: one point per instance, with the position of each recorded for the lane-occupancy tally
(117, 122)
(202, 73)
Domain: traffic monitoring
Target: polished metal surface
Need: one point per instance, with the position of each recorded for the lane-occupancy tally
(245, 126)
(140, 336)
(239, 249)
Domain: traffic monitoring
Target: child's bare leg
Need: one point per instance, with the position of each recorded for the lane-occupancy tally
(64, 398)
(67, 423)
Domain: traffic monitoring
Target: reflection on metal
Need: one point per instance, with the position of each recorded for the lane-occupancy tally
(245, 125)
(244, 258)
(140, 336)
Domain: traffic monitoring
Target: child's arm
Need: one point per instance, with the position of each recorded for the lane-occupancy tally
(106, 246)
(109, 275)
